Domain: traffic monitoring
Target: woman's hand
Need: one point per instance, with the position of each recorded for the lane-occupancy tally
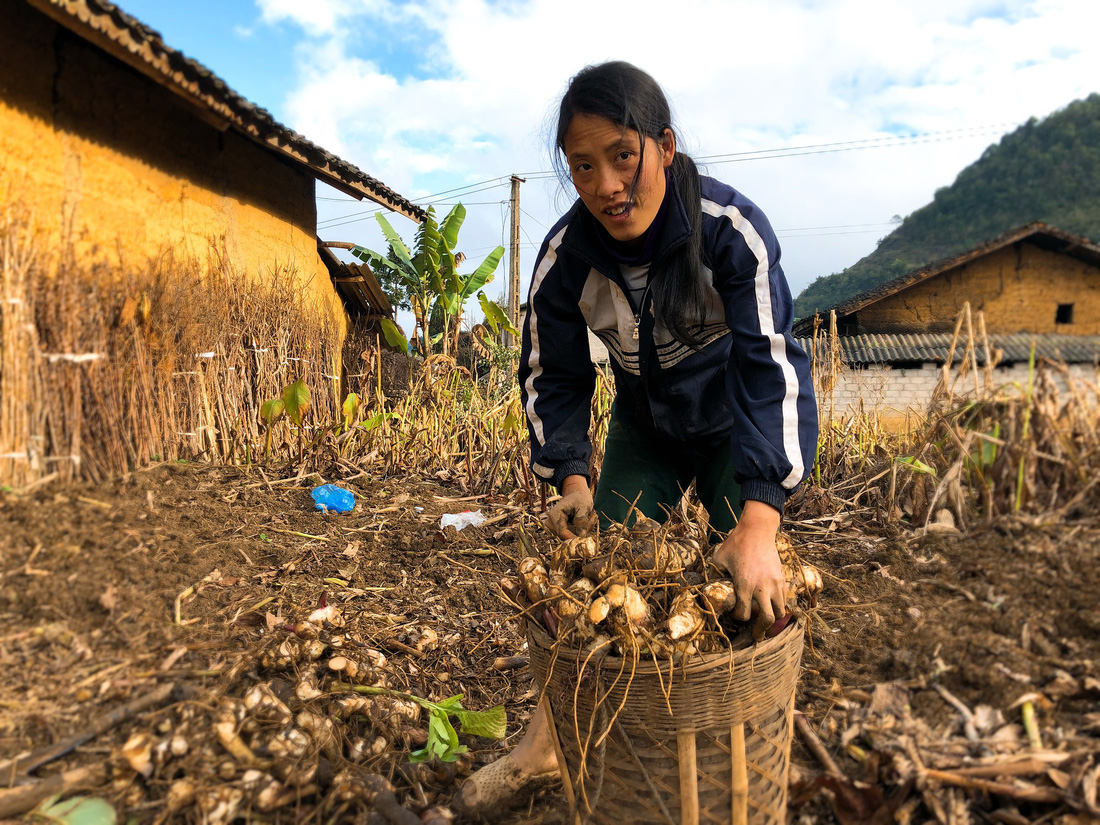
(750, 557)
(572, 514)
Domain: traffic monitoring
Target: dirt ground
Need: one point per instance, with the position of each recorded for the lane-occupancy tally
(200, 580)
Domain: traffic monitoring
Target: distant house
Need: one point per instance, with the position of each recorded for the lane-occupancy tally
(126, 147)
(1037, 289)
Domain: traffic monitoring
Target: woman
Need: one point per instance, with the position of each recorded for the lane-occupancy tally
(679, 276)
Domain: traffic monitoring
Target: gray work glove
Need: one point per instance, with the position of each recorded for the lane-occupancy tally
(572, 514)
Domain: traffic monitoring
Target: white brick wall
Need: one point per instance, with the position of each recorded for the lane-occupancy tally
(897, 393)
(902, 393)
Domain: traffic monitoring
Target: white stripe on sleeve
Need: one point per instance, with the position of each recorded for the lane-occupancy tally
(778, 342)
(544, 265)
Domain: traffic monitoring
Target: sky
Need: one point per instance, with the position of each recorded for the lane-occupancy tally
(834, 116)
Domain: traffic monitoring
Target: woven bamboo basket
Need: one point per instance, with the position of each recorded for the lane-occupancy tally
(705, 742)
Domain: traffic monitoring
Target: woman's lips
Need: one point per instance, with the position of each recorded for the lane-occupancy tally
(618, 216)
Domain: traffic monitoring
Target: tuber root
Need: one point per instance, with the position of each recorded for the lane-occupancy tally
(719, 597)
(685, 619)
(535, 580)
(630, 602)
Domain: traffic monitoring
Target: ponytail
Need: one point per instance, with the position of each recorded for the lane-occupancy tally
(679, 290)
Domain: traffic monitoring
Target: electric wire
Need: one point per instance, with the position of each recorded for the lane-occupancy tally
(885, 142)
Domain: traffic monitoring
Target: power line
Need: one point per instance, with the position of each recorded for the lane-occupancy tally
(823, 234)
(716, 159)
(355, 217)
(884, 142)
(532, 217)
(834, 226)
(427, 198)
(848, 145)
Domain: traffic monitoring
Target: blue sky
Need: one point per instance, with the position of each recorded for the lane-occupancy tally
(895, 96)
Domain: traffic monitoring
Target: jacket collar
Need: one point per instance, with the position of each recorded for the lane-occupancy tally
(580, 236)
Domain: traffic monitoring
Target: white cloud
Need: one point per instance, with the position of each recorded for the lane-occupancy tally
(742, 76)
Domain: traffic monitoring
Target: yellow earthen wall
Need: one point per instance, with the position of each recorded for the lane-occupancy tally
(1018, 289)
(119, 164)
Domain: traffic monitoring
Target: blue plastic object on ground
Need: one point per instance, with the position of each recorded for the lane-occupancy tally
(333, 498)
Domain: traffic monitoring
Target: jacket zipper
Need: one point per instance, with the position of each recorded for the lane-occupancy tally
(638, 314)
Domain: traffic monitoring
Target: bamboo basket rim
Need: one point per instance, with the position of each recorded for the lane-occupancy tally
(697, 663)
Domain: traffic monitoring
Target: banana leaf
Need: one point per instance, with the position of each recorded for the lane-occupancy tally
(483, 274)
(395, 242)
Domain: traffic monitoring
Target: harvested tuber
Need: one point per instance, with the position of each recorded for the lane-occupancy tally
(534, 578)
(719, 597)
(599, 609)
(574, 551)
(644, 589)
(573, 599)
(803, 579)
(630, 602)
(685, 619)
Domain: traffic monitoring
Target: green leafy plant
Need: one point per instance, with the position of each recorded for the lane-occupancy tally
(375, 421)
(296, 401)
(270, 412)
(394, 336)
(442, 736)
(916, 465)
(427, 274)
(350, 408)
(495, 316)
(78, 810)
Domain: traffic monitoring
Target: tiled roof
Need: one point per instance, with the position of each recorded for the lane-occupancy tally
(933, 348)
(129, 40)
(1040, 234)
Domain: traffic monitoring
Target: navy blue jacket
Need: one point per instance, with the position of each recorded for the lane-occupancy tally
(749, 379)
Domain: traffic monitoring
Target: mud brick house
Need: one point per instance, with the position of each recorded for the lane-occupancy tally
(124, 145)
(1036, 287)
(162, 273)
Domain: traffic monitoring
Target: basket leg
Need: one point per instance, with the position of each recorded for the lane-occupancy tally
(689, 778)
(563, 766)
(739, 780)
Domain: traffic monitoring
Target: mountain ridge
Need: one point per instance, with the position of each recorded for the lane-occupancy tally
(1046, 170)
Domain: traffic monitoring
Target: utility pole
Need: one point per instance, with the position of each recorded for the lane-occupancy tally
(513, 263)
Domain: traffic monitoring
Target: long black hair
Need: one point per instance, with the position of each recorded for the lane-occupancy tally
(627, 96)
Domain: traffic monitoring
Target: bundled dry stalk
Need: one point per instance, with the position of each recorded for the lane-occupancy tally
(444, 424)
(107, 368)
(984, 449)
(447, 424)
(18, 347)
(1004, 449)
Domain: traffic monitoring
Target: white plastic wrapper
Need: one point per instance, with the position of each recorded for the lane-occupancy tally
(471, 518)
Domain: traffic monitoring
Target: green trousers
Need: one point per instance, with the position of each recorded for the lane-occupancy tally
(652, 474)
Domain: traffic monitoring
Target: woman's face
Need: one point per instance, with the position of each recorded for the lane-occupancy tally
(603, 159)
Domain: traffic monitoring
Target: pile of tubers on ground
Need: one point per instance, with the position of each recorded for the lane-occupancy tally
(649, 590)
(289, 731)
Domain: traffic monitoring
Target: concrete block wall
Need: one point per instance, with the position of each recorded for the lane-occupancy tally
(899, 394)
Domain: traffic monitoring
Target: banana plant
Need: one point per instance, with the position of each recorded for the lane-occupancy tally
(458, 289)
(495, 315)
(429, 274)
(415, 271)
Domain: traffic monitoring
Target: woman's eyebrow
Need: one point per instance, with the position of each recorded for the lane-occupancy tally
(616, 145)
(623, 142)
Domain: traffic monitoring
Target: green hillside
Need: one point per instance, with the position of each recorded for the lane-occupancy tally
(1047, 170)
